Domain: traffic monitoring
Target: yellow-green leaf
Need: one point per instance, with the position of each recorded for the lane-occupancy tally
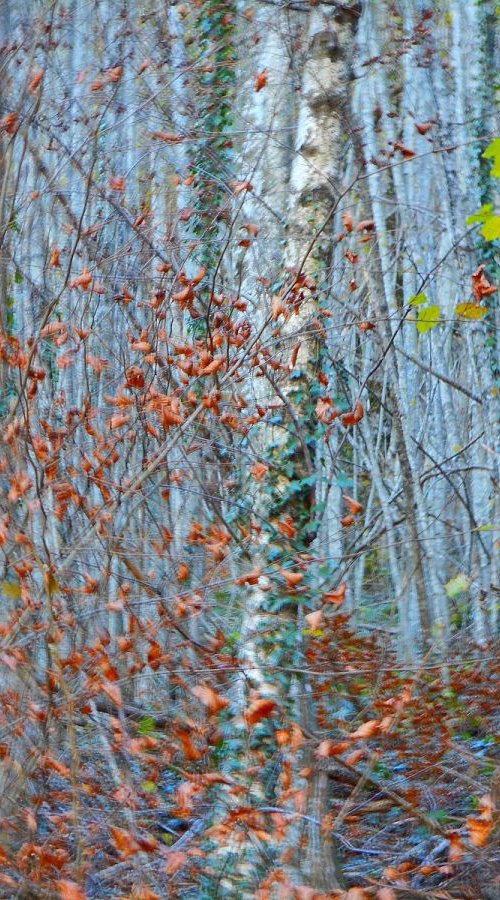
(428, 318)
(471, 311)
(457, 585)
(493, 152)
(491, 228)
(149, 786)
(418, 300)
(11, 589)
(482, 214)
(490, 222)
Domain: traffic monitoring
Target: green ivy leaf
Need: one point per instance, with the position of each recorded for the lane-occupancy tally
(428, 318)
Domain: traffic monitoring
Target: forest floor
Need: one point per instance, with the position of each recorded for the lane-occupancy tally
(414, 813)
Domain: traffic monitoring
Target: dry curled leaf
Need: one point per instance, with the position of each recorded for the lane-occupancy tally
(260, 709)
(70, 890)
(260, 80)
(210, 698)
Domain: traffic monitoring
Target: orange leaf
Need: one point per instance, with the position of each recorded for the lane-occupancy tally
(117, 183)
(313, 619)
(297, 738)
(70, 890)
(250, 577)
(260, 80)
(366, 225)
(55, 261)
(347, 521)
(479, 830)
(354, 506)
(323, 749)
(176, 859)
(240, 186)
(480, 284)
(183, 572)
(292, 578)
(252, 229)
(287, 527)
(114, 693)
(385, 724)
(337, 596)
(259, 469)
(456, 848)
(260, 709)
(348, 221)
(36, 80)
(118, 421)
(391, 873)
(283, 737)
(487, 807)
(141, 346)
(352, 418)
(9, 123)
(366, 730)
(355, 757)
(407, 153)
(113, 76)
(168, 138)
(210, 698)
(124, 842)
(84, 280)
(198, 278)
(423, 127)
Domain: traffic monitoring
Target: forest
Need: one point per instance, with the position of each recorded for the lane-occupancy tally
(249, 449)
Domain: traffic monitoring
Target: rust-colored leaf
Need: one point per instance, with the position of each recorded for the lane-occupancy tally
(355, 506)
(176, 859)
(423, 127)
(36, 80)
(292, 578)
(366, 730)
(167, 138)
(337, 596)
(479, 830)
(70, 890)
(210, 698)
(260, 709)
(261, 80)
(124, 842)
(405, 151)
(313, 619)
(352, 418)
